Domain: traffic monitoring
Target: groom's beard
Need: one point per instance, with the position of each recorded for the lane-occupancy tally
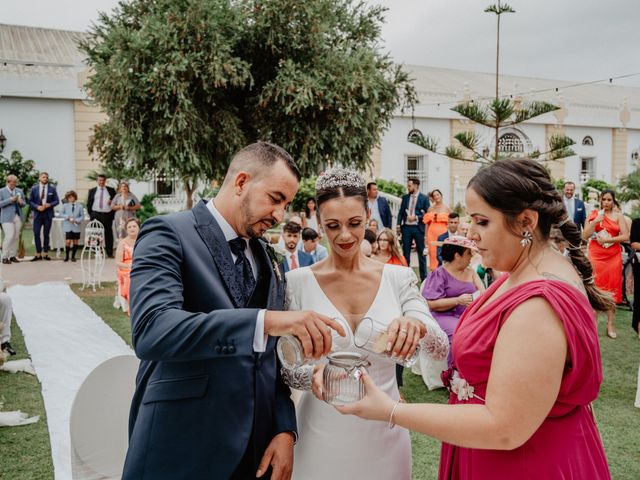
(253, 225)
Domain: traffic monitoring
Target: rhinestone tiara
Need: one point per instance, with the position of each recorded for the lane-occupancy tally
(339, 177)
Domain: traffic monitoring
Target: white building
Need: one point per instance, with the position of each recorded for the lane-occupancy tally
(45, 115)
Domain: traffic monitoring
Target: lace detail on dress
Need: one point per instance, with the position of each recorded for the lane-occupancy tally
(435, 343)
(299, 377)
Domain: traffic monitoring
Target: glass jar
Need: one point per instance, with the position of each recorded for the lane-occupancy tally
(342, 378)
(291, 353)
(372, 335)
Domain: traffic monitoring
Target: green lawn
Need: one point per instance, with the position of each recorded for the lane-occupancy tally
(618, 420)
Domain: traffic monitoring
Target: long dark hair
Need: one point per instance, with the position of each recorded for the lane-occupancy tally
(307, 211)
(512, 186)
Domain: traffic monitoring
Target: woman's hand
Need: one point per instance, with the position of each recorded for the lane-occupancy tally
(376, 405)
(404, 334)
(465, 299)
(317, 383)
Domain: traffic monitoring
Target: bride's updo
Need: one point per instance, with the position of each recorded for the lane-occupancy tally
(340, 182)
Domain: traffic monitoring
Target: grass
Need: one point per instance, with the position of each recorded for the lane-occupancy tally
(619, 421)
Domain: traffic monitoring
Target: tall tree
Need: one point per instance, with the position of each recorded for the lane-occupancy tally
(499, 113)
(186, 83)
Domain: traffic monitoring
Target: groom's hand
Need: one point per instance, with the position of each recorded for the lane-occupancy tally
(279, 454)
(311, 328)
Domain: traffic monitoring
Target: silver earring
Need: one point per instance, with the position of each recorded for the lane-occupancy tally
(527, 239)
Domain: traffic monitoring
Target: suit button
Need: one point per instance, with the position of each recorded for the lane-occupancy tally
(225, 350)
(218, 348)
(232, 349)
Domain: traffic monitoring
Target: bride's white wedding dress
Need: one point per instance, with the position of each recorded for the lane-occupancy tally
(335, 446)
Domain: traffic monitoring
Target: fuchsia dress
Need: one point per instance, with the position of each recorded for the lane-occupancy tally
(567, 445)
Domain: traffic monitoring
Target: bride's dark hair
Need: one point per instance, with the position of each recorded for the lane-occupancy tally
(511, 186)
(340, 182)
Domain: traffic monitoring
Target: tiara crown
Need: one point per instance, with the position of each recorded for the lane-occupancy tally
(339, 177)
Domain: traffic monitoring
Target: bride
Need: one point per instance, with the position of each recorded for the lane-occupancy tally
(350, 286)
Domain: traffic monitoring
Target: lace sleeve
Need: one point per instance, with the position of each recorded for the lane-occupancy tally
(435, 343)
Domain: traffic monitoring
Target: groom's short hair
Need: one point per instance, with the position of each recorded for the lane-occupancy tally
(258, 157)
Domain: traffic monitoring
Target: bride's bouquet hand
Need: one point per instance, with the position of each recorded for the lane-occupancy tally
(376, 405)
(317, 383)
(404, 335)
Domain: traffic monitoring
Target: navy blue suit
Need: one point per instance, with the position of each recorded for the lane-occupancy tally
(385, 211)
(579, 213)
(304, 260)
(441, 238)
(414, 232)
(206, 405)
(42, 220)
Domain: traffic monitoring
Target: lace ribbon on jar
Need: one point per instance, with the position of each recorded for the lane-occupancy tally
(299, 377)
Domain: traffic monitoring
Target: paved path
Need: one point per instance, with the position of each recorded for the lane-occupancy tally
(31, 273)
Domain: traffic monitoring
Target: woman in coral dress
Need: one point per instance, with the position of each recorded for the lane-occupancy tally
(605, 253)
(124, 258)
(436, 220)
(526, 354)
(388, 250)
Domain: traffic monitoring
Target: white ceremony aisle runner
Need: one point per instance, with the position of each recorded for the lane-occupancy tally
(66, 341)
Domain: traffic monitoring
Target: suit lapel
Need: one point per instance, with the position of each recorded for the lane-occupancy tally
(213, 238)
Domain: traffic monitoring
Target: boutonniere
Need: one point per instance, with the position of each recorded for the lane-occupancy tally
(276, 259)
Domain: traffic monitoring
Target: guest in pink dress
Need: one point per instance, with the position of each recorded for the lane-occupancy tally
(527, 362)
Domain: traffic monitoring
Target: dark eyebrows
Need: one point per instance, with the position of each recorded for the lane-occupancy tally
(357, 217)
(280, 196)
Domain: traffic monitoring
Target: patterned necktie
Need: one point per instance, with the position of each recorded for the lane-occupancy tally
(294, 262)
(42, 195)
(243, 268)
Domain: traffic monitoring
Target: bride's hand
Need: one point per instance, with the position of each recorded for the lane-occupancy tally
(376, 405)
(317, 382)
(404, 335)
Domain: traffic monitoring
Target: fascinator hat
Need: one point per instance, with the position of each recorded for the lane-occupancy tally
(458, 241)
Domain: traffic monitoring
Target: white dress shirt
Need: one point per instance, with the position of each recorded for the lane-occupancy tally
(259, 337)
(289, 254)
(106, 201)
(375, 212)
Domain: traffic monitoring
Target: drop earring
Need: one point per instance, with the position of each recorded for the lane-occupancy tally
(527, 239)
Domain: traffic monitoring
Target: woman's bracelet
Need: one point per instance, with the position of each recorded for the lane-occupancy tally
(393, 411)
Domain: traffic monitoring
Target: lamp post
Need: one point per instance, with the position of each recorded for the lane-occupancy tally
(3, 141)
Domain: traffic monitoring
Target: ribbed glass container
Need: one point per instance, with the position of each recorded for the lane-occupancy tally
(342, 378)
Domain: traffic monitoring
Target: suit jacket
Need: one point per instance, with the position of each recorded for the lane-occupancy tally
(34, 200)
(579, 213)
(385, 211)
(304, 260)
(200, 387)
(92, 196)
(422, 205)
(441, 238)
(9, 209)
(75, 212)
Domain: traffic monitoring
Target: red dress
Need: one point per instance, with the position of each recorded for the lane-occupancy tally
(607, 262)
(567, 445)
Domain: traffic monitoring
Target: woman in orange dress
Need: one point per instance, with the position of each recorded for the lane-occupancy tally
(388, 251)
(435, 220)
(124, 257)
(605, 253)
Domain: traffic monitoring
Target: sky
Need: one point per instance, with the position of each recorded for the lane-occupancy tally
(581, 40)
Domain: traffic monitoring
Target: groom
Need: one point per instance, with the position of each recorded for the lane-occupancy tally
(206, 301)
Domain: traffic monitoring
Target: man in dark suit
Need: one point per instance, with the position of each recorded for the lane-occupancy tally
(378, 206)
(206, 301)
(99, 208)
(452, 229)
(575, 207)
(294, 257)
(42, 198)
(412, 209)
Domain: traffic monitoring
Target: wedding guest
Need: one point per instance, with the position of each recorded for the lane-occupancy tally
(125, 205)
(413, 207)
(345, 285)
(388, 251)
(99, 208)
(449, 288)
(452, 229)
(463, 229)
(521, 390)
(72, 213)
(124, 258)
(42, 199)
(294, 257)
(635, 244)
(11, 203)
(378, 206)
(373, 226)
(605, 253)
(371, 238)
(575, 207)
(6, 312)
(436, 220)
(206, 304)
(311, 245)
(310, 215)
